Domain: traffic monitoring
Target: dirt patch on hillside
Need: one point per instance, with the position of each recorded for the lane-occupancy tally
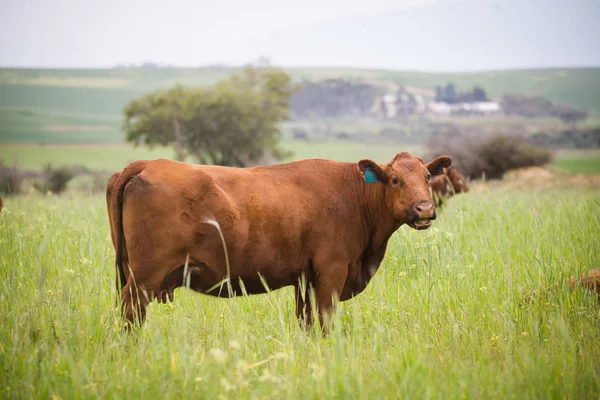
(535, 178)
(76, 128)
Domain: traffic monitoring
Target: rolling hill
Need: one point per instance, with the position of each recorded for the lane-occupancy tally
(84, 105)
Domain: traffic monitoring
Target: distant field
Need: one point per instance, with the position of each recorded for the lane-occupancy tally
(85, 106)
(110, 157)
(585, 162)
(43, 127)
(113, 157)
(46, 126)
(98, 96)
(579, 87)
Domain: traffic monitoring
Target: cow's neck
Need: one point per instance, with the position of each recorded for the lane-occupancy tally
(378, 220)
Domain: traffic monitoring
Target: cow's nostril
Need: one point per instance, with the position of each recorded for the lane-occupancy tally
(424, 207)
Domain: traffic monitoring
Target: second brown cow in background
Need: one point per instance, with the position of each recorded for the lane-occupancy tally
(448, 184)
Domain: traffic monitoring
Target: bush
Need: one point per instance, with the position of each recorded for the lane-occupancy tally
(536, 106)
(580, 139)
(95, 182)
(491, 156)
(53, 180)
(11, 180)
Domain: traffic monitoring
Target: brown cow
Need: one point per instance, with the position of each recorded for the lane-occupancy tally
(589, 280)
(1, 203)
(447, 184)
(314, 223)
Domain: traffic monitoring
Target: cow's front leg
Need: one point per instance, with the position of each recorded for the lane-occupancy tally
(329, 283)
(304, 312)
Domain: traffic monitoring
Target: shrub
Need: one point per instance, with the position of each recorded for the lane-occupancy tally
(492, 157)
(11, 180)
(95, 182)
(53, 180)
(581, 139)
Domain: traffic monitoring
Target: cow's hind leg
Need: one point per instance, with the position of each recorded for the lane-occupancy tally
(135, 298)
(144, 285)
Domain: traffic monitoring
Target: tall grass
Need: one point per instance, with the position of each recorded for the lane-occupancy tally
(443, 318)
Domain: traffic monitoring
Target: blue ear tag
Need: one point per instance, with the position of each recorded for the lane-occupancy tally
(370, 176)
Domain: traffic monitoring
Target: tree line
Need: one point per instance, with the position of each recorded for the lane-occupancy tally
(448, 94)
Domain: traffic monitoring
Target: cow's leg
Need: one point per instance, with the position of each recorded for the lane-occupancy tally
(303, 305)
(135, 300)
(143, 286)
(329, 283)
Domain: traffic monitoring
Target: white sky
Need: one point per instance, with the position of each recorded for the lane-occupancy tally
(434, 35)
(99, 33)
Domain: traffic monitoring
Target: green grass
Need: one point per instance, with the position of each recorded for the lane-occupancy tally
(443, 318)
(116, 157)
(44, 127)
(585, 162)
(578, 87)
(109, 158)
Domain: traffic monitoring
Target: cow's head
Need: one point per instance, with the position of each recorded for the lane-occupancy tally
(459, 182)
(407, 192)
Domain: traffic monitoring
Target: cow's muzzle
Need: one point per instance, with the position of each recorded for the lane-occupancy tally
(421, 215)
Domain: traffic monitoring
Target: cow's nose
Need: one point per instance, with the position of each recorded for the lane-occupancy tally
(425, 209)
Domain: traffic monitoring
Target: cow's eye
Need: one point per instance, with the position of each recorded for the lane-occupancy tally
(429, 178)
(395, 180)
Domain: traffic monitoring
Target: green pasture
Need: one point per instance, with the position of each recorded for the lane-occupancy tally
(585, 162)
(114, 157)
(445, 317)
(108, 89)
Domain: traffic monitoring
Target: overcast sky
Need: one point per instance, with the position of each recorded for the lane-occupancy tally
(103, 33)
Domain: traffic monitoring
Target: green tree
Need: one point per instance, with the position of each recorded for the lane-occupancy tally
(450, 93)
(235, 122)
(156, 119)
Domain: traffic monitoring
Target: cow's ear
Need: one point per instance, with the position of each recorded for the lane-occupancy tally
(371, 171)
(436, 167)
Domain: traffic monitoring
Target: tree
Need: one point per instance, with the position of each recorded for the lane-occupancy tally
(155, 119)
(235, 122)
(450, 93)
(479, 94)
(334, 98)
(569, 115)
(439, 94)
(536, 106)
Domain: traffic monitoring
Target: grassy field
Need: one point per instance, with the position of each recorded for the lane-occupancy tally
(109, 157)
(85, 105)
(585, 162)
(113, 157)
(444, 317)
(578, 87)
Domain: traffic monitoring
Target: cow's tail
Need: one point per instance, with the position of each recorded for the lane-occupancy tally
(117, 211)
